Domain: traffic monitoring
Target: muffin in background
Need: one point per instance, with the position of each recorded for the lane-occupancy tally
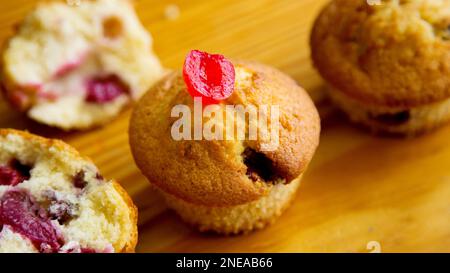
(387, 64)
(226, 186)
(75, 67)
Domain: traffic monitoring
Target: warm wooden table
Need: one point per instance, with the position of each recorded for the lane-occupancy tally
(358, 189)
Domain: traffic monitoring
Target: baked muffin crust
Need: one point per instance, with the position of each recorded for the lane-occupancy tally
(396, 54)
(214, 173)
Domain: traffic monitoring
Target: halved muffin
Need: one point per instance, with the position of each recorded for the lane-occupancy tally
(75, 67)
(54, 200)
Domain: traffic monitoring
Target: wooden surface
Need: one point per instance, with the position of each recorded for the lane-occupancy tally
(359, 189)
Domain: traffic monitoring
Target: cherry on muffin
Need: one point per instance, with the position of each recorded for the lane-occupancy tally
(227, 186)
(209, 76)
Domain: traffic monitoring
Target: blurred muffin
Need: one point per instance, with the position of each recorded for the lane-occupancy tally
(75, 67)
(54, 200)
(387, 64)
(227, 186)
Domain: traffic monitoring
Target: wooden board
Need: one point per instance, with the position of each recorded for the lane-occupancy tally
(358, 189)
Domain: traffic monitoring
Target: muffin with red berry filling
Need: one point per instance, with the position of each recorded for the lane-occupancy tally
(227, 185)
(54, 200)
(387, 63)
(75, 67)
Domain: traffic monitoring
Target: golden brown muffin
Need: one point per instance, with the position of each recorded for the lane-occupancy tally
(388, 64)
(227, 186)
(46, 185)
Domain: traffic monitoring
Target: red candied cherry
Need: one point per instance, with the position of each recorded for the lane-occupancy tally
(9, 176)
(210, 76)
(14, 174)
(105, 89)
(26, 217)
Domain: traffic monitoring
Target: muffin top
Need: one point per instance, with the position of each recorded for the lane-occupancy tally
(396, 53)
(225, 172)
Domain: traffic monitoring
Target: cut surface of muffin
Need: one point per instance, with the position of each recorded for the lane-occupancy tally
(75, 67)
(54, 200)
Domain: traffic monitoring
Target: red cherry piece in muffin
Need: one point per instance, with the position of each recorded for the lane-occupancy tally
(105, 89)
(13, 174)
(210, 76)
(68, 67)
(26, 217)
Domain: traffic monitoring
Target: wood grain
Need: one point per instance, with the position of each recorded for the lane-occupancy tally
(358, 188)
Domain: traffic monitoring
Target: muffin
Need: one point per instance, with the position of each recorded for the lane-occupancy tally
(75, 67)
(54, 200)
(230, 185)
(387, 64)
